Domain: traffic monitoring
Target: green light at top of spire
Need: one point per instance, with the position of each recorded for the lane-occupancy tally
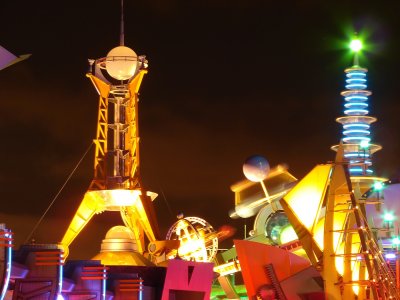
(356, 45)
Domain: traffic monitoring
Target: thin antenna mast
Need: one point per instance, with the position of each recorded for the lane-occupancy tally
(355, 58)
(122, 33)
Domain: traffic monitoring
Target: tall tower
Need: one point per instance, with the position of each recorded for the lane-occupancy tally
(356, 122)
(116, 185)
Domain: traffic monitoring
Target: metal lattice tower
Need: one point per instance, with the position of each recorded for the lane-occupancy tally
(116, 185)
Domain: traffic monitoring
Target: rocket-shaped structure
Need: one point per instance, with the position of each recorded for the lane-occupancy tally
(116, 185)
(356, 122)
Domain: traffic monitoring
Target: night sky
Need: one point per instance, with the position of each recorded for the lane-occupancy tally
(227, 79)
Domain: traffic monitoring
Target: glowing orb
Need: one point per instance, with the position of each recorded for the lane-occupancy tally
(256, 168)
(121, 63)
(198, 239)
(355, 45)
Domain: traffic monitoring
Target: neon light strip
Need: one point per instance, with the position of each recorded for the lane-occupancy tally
(354, 138)
(348, 132)
(358, 154)
(355, 169)
(360, 170)
(103, 284)
(359, 80)
(349, 74)
(8, 262)
(361, 104)
(356, 86)
(356, 97)
(360, 125)
(353, 111)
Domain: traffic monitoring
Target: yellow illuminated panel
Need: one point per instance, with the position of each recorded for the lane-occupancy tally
(305, 199)
(356, 260)
(228, 268)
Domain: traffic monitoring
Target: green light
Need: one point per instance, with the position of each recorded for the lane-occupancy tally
(396, 241)
(356, 45)
(378, 186)
(364, 144)
(388, 217)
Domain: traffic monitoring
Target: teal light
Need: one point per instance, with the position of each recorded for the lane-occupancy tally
(378, 186)
(396, 241)
(364, 144)
(388, 217)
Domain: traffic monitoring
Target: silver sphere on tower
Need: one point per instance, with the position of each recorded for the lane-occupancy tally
(256, 168)
(121, 63)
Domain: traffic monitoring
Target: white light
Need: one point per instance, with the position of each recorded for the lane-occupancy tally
(364, 144)
(390, 255)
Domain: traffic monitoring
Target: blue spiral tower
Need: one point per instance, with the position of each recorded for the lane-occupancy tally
(356, 122)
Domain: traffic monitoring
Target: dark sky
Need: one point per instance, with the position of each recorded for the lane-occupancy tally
(227, 79)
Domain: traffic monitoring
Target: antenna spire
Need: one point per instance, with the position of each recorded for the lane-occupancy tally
(122, 33)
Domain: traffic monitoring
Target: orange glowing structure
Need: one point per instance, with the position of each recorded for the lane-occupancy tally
(329, 221)
(198, 241)
(271, 270)
(116, 185)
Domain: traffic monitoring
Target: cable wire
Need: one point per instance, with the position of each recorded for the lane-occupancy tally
(58, 193)
(166, 202)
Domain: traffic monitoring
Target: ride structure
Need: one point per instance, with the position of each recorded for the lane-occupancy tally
(333, 233)
(117, 185)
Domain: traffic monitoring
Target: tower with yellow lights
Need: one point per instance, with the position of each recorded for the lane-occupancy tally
(116, 185)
